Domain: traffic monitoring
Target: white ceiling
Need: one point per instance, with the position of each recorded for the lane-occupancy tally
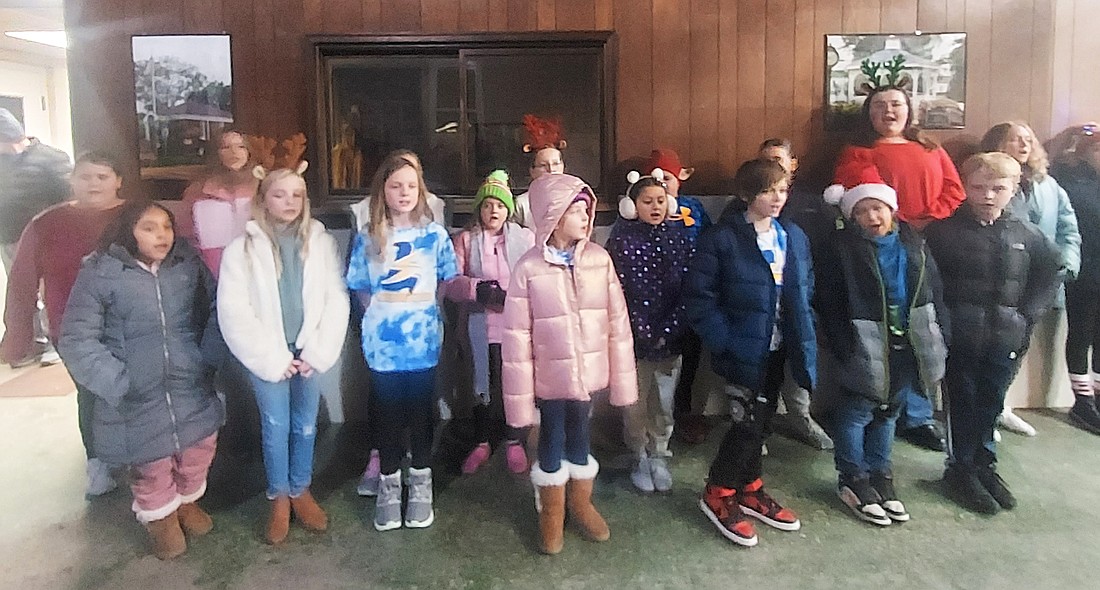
(30, 15)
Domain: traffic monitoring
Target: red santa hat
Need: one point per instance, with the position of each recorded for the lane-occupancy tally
(857, 180)
(668, 161)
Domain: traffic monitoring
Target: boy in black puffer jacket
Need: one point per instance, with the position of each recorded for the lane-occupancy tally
(1000, 276)
(877, 296)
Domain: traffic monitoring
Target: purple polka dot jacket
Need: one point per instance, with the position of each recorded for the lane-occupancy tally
(651, 261)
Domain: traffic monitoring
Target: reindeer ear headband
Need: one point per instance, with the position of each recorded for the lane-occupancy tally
(895, 75)
(542, 133)
(628, 209)
(273, 155)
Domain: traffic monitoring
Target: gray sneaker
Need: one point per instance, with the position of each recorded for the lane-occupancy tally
(418, 512)
(642, 476)
(387, 507)
(662, 478)
(100, 480)
(805, 430)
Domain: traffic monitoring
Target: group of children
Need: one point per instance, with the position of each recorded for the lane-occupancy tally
(554, 319)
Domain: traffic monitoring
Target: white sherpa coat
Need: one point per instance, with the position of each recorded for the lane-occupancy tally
(250, 314)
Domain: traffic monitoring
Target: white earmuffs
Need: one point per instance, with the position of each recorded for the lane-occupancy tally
(629, 210)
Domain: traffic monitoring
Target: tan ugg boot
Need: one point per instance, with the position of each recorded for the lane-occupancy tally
(168, 539)
(194, 520)
(550, 503)
(278, 522)
(579, 497)
(308, 512)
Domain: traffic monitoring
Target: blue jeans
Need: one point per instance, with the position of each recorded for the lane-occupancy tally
(863, 437)
(563, 433)
(288, 420)
(916, 410)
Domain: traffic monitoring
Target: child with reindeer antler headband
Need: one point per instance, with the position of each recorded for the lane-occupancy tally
(928, 189)
(544, 141)
(283, 311)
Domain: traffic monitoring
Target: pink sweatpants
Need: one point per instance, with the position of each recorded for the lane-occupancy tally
(159, 487)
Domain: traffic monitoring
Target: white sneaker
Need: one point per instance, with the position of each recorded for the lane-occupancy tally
(99, 479)
(642, 476)
(1016, 424)
(996, 435)
(48, 358)
(763, 450)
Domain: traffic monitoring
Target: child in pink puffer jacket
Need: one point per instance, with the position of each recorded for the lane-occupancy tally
(566, 323)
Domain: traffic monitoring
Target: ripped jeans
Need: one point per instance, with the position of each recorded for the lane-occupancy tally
(288, 420)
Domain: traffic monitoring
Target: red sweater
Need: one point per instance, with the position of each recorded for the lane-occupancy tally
(927, 183)
(50, 249)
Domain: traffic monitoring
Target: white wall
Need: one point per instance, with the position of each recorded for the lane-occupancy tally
(39, 85)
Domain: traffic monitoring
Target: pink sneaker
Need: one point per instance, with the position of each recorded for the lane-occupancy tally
(517, 457)
(368, 484)
(476, 459)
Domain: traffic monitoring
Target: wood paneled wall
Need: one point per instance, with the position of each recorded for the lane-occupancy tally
(710, 78)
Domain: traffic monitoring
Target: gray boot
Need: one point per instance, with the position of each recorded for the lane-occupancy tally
(387, 507)
(418, 512)
(662, 477)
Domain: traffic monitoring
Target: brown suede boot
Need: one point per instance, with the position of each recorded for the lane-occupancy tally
(579, 495)
(308, 512)
(194, 520)
(278, 523)
(168, 539)
(551, 518)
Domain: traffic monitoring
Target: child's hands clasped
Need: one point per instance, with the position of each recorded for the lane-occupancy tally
(298, 367)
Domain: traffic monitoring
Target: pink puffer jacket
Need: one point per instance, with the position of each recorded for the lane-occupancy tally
(566, 332)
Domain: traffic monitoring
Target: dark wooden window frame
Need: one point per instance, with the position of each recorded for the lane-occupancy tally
(323, 47)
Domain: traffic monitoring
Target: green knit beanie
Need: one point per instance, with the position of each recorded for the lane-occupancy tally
(496, 186)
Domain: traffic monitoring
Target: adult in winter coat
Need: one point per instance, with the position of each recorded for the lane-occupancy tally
(566, 337)
(1000, 276)
(131, 336)
(1078, 172)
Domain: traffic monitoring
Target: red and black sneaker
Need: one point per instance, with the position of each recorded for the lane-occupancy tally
(721, 507)
(758, 504)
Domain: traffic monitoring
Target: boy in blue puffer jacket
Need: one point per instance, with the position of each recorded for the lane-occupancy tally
(748, 295)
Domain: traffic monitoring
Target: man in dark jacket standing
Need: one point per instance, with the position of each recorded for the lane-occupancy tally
(1000, 276)
(33, 176)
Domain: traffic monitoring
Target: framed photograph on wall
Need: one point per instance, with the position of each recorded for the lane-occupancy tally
(931, 65)
(183, 96)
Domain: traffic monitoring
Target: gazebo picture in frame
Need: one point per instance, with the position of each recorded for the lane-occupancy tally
(183, 96)
(930, 66)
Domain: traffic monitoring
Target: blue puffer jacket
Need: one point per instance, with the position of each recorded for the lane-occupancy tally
(134, 339)
(730, 301)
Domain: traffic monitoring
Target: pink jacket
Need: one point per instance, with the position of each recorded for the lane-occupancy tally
(566, 332)
(214, 213)
(497, 256)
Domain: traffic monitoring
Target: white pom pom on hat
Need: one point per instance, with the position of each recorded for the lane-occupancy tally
(848, 198)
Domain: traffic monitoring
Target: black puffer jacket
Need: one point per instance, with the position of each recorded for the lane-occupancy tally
(852, 311)
(30, 182)
(134, 340)
(998, 280)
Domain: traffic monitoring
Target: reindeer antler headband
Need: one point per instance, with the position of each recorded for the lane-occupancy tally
(895, 75)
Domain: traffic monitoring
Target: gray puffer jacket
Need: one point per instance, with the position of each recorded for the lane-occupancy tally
(134, 339)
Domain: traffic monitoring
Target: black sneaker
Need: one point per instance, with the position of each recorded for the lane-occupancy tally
(926, 436)
(884, 485)
(862, 499)
(963, 486)
(996, 487)
(1084, 414)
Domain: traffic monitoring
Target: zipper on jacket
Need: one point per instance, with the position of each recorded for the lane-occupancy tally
(912, 306)
(574, 326)
(164, 341)
(885, 325)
